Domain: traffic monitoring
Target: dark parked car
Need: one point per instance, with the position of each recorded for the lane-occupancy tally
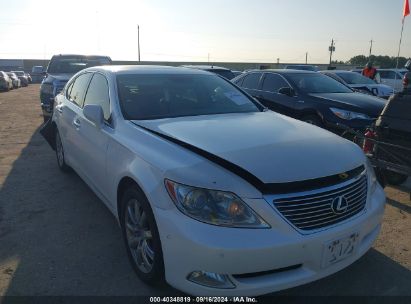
(312, 97)
(302, 67)
(360, 83)
(23, 78)
(60, 69)
(37, 74)
(226, 73)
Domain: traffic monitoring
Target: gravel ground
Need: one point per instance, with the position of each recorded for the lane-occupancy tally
(57, 238)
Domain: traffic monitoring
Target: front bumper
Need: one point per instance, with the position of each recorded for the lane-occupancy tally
(190, 246)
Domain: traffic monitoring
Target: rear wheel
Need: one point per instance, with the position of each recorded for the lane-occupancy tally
(394, 178)
(61, 161)
(141, 236)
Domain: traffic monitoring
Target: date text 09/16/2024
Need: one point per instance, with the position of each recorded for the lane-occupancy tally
(203, 300)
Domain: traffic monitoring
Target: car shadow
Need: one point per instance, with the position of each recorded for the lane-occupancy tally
(374, 274)
(401, 206)
(58, 239)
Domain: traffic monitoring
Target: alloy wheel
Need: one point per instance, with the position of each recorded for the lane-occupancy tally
(139, 236)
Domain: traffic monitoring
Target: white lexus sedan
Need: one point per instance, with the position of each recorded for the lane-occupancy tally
(214, 193)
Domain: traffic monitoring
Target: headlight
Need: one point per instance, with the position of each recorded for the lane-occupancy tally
(348, 115)
(372, 179)
(47, 88)
(213, 207)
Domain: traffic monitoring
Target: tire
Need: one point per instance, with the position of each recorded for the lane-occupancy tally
(312, 119)
(394, 178)
(141, 237)
(61, 162)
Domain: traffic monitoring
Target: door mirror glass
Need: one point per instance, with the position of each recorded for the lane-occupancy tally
(94, 113)
(287, 91)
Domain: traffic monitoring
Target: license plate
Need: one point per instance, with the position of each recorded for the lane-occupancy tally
(338, 250)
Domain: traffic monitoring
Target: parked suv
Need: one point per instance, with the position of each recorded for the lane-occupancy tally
(60, 69)
(312, 97)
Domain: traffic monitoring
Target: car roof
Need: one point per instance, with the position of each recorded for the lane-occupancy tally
(300, 65)
(285, 71)
(336, 71)
(205, 67)
(147, 69)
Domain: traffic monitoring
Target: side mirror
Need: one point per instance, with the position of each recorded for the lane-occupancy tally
(94, 113)
(287, 91)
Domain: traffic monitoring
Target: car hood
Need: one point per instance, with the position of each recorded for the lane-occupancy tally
(363, 103)
(272, 147)
(63, 78)
(381, 87)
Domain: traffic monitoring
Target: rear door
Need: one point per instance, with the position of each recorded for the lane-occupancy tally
(68, 114)
(275, 101)
(93, 141)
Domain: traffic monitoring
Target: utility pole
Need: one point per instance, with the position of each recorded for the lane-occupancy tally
(306, 58)
(138, 41)
(371, 47)
(208, 57)
(331, 49)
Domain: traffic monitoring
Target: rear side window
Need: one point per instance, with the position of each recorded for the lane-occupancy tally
(78, 89)
(97, 94)
(273, 82)
(251, 81)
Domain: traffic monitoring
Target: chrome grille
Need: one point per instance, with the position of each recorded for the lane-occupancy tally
(315, 211)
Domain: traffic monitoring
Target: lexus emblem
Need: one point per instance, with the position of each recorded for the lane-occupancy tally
(339, 205)
(343, 175)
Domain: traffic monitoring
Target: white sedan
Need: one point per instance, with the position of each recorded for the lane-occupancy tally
(213, 192)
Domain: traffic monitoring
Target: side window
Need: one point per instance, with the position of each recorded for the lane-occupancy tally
(273, 82)
(68, 90)
(251, 81)
(79, 88)
(97, 94)
(239, 81)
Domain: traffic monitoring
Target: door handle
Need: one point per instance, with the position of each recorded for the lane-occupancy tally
(59, 109)
(77, 123)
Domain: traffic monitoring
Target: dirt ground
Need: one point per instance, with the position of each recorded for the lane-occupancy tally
(57, 238)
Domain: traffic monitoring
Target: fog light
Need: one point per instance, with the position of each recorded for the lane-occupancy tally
(210, 279)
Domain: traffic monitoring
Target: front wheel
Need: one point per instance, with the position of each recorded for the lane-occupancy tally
(141, 236)
(61, 161)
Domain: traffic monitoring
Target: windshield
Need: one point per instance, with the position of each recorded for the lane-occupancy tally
(355, 78)
(317, 83)
(165, 96)
(72, 65)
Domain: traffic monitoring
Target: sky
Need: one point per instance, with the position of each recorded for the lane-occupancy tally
(203, 30)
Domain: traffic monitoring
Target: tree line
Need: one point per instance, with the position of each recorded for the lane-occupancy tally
(380, 61)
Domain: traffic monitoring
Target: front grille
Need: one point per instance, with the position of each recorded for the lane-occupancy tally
(320, 210)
